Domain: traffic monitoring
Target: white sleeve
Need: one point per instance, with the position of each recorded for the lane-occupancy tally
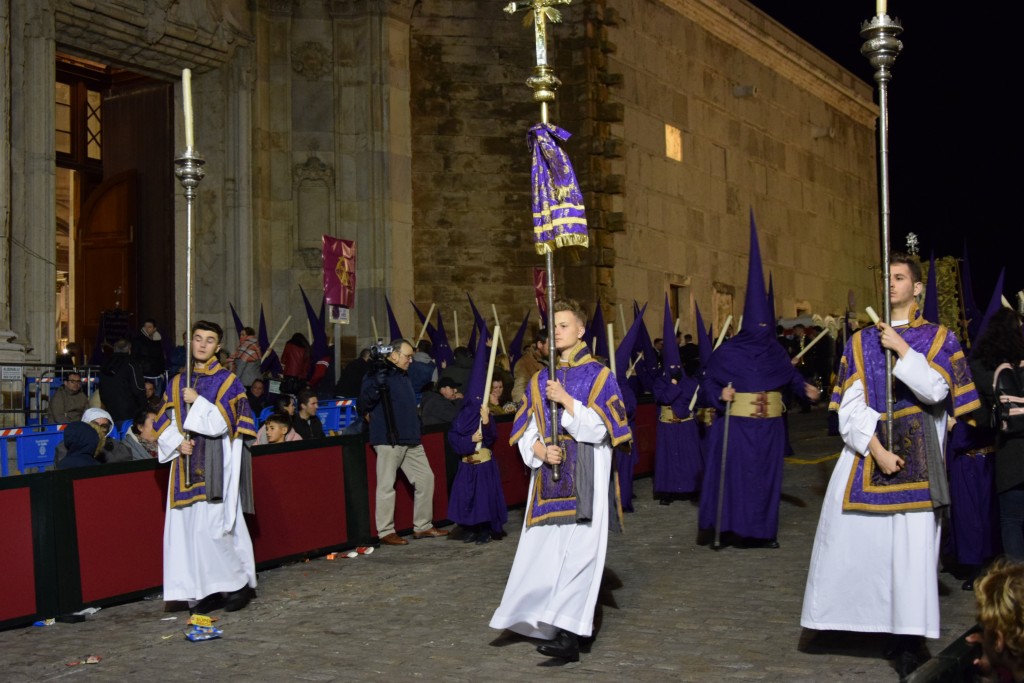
(204, 418)
(169, 440)
(927, 384)
(584, 425)
(857, 420)
(525, 443)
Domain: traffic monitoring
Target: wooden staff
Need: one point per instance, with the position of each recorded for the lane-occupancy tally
(718, 342)
(490, 377)
(721, 476)
(373, 323)
(611, 347)
(631, 370)
(808, 347)
(497, 323)
(426, 321)
(274, 340)
(622, 320)
(455, 323)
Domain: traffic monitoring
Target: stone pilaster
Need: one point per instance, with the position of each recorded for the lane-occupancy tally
(32, 177)
(373, 145)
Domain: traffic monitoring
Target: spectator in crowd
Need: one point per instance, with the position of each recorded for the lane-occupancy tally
(498, 402)
(306, 423)
(460, 368)
(533, 361)
(263, 435)
(80, 442)
(295, 362)
(323, 377)
(285, 403)
(257, 394)
(351, 380)
(121, 387)
(154, 399)
(148, 350)
(1000, 595)
(246, 359)
(108, 450)
(388, 397)
(441, 406)
(69, 401)
(141, 437)
(177, 360)
(422, 370)
(278, 429)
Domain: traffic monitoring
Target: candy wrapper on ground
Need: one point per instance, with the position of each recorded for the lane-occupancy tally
(198, 633)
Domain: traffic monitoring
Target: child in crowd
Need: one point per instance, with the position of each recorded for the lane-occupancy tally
(277, 428)
(1000, 595)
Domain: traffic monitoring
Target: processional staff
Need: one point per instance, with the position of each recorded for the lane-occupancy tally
(189, 170)
(881, 48)
(565, 202)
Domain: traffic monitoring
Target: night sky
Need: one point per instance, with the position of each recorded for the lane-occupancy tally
(953, 125)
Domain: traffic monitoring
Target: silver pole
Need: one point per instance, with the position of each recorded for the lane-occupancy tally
(189, 170)
(881, 48)
(721, 477)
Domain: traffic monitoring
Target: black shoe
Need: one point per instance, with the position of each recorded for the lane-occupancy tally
(211, 602)
(906, 663)
(665, 501)
(239, 599)
(483, 537)
(968, 585)
(565, 646)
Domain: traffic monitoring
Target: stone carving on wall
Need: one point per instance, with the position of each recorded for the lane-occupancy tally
(311, 60)
(313, 181)
(155, 36)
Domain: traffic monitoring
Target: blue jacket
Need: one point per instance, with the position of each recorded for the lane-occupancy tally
(403, 402)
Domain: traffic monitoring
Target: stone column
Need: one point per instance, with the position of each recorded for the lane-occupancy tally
(5, 180)
(374, 152)
(31, 209)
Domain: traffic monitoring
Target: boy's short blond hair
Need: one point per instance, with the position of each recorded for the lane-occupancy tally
(1000, 595)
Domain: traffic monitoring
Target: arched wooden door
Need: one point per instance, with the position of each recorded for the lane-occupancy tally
(105, 255)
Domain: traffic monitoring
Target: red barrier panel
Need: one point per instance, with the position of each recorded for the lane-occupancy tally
(515, 476)
(119, 523)
(646, 434)
(433, 444)
(17, 565)
(299, 498)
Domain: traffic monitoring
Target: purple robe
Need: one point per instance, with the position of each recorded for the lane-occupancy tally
(625, 462)
(593, 385)
(868, 489)
(974, 507)
(476, 496)
(678, 461)
(753, 362)
(221, 388)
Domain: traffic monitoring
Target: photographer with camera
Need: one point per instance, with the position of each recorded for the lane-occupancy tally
(388, 398)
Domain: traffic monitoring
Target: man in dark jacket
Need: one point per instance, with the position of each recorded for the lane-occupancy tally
(122, 387)
(441, 406)
(148, 350)
(388, 397)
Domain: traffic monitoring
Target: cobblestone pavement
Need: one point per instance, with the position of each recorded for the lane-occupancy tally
(672, 611)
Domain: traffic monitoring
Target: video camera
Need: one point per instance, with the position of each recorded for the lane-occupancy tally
(379, 353)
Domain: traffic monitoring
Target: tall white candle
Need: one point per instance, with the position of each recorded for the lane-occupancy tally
(880, 7)
(186, 98)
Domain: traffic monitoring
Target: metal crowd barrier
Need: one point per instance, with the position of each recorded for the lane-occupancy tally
(25, 389)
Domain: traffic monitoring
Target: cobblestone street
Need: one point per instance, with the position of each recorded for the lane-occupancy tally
(671, 610)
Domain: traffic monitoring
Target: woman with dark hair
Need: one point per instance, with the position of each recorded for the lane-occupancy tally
(285, 405)
(1000, 342)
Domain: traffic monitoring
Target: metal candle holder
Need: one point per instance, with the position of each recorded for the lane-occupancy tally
(189, 170)
(881, 47)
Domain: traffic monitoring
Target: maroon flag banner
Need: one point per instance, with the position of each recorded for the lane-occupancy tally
(339, 272)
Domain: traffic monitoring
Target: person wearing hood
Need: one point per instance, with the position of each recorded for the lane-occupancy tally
(148, 351)
(80, 441)
(477, 502)
(678, 462)
(122, 384)
(625, 462)
(749, 371)
(108, 450)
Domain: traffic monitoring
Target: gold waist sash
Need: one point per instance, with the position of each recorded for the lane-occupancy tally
(667, 415)
(762, 404)
(482, 455)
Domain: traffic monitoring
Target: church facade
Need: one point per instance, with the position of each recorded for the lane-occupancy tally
(401, 124)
